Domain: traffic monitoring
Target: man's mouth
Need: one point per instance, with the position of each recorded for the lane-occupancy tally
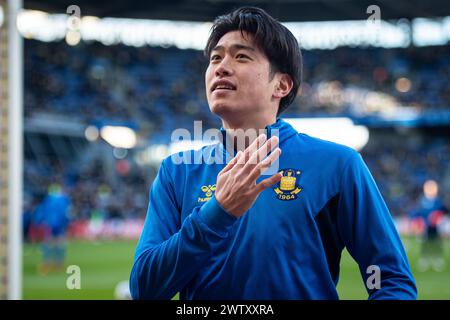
(223, 85)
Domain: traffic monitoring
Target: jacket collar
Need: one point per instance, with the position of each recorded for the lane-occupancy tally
(281, 128)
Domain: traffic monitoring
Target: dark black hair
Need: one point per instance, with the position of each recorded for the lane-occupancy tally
(274, 39)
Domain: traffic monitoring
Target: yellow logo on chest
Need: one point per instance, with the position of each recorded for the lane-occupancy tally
(288, 188)
(208, 192)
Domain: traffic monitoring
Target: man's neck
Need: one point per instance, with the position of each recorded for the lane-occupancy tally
(241, 133)
(244, 123)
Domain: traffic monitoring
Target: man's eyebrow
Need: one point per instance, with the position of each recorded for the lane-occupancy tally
(236, 46)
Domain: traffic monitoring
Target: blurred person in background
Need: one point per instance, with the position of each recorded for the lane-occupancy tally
(431, 210)
(224, 231)
(52, 215)
(29, 204)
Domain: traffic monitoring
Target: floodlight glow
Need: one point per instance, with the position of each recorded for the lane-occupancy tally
(333, 34)
(338, 130)
(73, 38)
(428, 32)
(185, 145)
(91, 133)
(193, 35)
(153, 154)
(119, 137)
(403, 85)
(34, 24)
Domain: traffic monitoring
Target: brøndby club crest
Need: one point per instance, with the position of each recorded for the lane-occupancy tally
(288, 188)
(208, 190)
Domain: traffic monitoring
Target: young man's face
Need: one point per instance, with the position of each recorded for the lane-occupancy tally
(237, 78)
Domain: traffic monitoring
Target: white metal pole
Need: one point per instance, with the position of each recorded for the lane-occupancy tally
(15, 70)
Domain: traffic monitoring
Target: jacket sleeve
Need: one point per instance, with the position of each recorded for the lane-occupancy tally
(367, 229)
(171, 251)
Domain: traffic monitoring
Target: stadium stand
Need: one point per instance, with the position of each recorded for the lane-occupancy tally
(160, 89)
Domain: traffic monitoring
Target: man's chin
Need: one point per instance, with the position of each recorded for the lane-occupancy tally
(221, 109)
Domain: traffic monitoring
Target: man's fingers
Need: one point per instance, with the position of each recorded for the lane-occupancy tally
(249, 158)
(267, 162)
(262, 152)
(232, 162)
(266, 183)
(251, 149)
(263, 165)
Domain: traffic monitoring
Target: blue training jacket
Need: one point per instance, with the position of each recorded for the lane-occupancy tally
(288, 245)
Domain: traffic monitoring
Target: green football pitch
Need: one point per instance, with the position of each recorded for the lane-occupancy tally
(103, 264)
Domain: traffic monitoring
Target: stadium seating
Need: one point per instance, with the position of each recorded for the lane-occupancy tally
(161, 89)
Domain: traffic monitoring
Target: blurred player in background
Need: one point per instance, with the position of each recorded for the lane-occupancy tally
(52, 216)
(431, 210)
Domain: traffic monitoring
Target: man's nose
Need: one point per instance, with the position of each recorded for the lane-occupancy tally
(223, 69)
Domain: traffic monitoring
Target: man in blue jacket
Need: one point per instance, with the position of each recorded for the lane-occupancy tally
(224, 230)
(53, 215)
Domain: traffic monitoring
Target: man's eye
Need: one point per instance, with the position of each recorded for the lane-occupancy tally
(215, 57)
(242, 56)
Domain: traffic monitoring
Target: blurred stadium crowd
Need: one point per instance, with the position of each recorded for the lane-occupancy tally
(161, 89)
(92, 81)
